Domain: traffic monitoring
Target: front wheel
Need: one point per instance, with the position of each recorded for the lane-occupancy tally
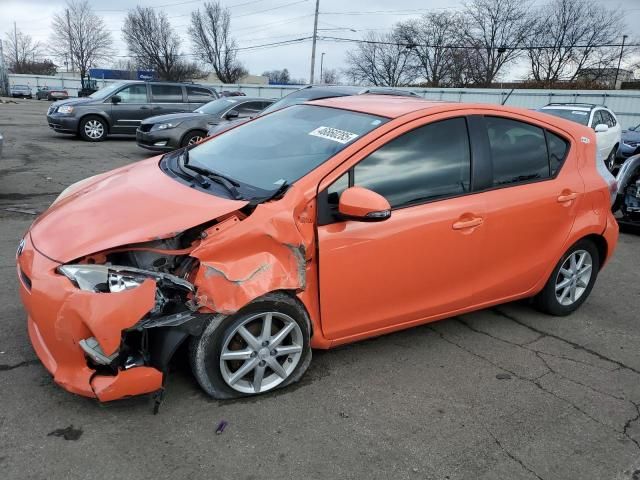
(192, 137)
(571, 281)
(610, 161)
(262, 347)
(93, 129)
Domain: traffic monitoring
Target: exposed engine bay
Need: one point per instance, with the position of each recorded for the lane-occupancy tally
(628, 198)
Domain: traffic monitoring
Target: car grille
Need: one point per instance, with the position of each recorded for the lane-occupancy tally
(145, 127)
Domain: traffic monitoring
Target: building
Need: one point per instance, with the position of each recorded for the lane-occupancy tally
(605, 76)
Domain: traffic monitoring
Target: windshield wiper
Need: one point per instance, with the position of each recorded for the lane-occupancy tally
(205, 174)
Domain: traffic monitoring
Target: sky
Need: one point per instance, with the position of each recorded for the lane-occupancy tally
(258, 22)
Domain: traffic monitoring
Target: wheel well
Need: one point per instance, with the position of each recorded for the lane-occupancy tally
(601, 245)
(189, 132)
(84, 117)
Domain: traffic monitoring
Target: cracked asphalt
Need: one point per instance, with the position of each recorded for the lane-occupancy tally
(505, 393)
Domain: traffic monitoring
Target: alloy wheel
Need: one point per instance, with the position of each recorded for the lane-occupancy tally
(194, 139)
(261, 352)
(573, 277)
(94, 129)
(610, 161)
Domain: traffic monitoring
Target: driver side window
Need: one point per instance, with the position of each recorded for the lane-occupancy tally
(133, 94)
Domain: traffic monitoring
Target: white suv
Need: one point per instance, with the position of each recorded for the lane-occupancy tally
(598, 117)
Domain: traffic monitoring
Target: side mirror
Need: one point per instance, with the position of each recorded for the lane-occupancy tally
(601, 128)
(357, 203)
(116, 99)
(231, 114)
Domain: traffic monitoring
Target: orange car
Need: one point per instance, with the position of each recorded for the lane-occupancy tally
(311, 227)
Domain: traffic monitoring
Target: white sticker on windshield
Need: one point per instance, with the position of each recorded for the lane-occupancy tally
(334, 134)
(578, 112)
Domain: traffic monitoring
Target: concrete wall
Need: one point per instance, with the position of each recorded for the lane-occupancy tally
(625, 103)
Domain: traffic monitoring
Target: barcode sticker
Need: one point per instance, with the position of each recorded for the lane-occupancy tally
(333, 134)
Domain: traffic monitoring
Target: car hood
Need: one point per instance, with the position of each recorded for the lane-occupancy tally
(132, 204)
(74, 101)
(631, 135)
(174, 117)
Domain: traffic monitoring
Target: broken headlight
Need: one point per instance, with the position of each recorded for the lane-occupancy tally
(101, 278)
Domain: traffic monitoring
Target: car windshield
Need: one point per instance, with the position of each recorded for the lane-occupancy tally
(218, 106)
(578, 116)
(282, 147)
(106, 91)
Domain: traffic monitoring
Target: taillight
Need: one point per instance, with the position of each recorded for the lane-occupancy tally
(609, 179)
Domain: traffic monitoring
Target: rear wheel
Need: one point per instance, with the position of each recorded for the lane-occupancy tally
(93, 129)
(571, 281)
(192, 137)
(262, 347)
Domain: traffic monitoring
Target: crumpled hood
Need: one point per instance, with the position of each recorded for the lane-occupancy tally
(132, 204)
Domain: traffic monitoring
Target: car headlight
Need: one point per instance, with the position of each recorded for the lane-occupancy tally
(632, 144)
(165, 126)
(65, 109)
(101, 278)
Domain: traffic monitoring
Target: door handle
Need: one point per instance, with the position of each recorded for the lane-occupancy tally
(567, 197)
(472, 222)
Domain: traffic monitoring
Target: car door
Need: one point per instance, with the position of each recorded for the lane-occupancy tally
(602, 138)
(168, 98)
(130, 110)
(530, 208)
(614, 133)
(419, 263)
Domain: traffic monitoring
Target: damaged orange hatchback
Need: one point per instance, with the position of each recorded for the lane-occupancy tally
(311, 227)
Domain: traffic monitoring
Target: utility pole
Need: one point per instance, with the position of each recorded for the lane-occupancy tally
(313, 47)
(321, 64)
(69, 34)
(4, 84)
(15, 46)
(615, 82)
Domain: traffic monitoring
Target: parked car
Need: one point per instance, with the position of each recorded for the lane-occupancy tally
(315, 226)
(51, 94)
(598, 117)
(121, 107)
(176, 130)
(227, 93)
(20, 91)
(630, 144)
(313, 92)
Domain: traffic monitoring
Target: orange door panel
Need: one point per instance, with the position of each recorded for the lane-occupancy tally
(419, 263)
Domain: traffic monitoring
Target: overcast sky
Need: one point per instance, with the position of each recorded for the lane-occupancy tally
(256, 22)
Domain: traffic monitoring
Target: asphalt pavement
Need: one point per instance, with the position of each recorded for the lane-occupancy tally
(505, 393)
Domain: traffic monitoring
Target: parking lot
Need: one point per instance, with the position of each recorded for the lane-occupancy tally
(505, 393)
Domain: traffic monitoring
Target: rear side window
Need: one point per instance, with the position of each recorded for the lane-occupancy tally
(199, 95)
(518, 151)
(166, 93)
(424, 164)
(558, 148)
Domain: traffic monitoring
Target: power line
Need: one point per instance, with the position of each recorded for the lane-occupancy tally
(469, 47)
(181, 3)
(270, 9)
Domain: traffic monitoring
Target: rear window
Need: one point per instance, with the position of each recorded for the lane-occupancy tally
(199, 95)
(166, 93)
(578, 116)
(518, 151)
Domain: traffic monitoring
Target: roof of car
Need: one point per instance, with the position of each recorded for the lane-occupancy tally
(584, 107)
(382, 105)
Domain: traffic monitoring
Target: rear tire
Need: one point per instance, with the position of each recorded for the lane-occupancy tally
(93, 129)
(571, 281)
(267, 363)
(192, 137)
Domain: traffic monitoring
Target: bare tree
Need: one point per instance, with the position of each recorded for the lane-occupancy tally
(493, 32)
(381, 60)
(572, 29)
(210, 34)
(430, 38)
(278, 77)
(79, 33)
(330, 76)
(153, 44)
(19, 51)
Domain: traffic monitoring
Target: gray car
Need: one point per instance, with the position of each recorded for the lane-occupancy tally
(121, 107)
(22, 91)
(168, 132)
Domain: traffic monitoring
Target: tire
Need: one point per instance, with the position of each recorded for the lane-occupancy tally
(192, 137)
(93, 129)
(575, 288)
(222, 379)
(610, 161)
